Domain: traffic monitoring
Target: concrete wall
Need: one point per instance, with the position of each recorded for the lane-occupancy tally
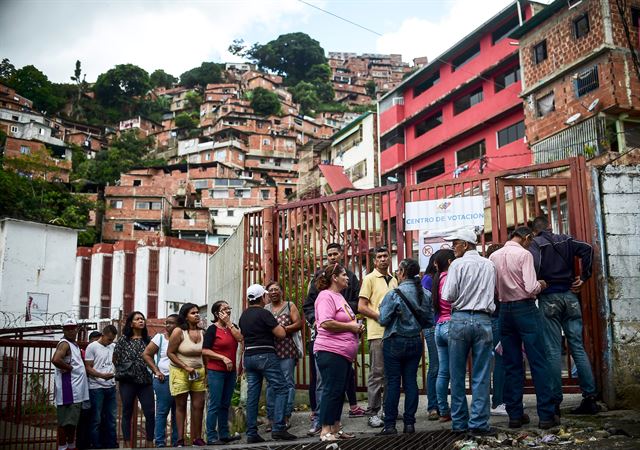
(620, 194)
(36, 258)
(225, 274)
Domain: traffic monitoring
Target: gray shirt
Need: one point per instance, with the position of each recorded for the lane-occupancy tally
(470, 283)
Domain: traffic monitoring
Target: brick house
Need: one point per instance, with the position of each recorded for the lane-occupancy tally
(579, 85)
(31, 157)
(10, 100)
(142, 125)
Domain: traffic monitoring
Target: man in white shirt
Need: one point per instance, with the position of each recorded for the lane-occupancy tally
(102, 389)
(470, 288)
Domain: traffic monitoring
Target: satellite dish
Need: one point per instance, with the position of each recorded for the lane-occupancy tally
(593, 104)
(573, 119)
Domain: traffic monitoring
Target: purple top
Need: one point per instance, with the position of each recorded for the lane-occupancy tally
(332, 306)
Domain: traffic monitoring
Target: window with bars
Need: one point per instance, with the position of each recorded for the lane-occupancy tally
(586, 81)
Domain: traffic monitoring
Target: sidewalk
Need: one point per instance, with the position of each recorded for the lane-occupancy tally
(607, 430)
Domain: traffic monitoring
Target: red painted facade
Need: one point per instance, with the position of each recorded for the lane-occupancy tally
(401, 111)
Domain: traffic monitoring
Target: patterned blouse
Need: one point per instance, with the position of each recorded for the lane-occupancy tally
(131, 350)
(285, 348)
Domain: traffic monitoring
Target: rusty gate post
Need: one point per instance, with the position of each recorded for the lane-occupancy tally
(268, 253)
(400, 237)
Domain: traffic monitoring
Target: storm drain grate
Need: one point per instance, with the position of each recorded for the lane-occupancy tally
(433, 440)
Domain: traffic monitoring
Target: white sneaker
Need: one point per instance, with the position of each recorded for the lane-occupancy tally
(376, 422)
(499, 410)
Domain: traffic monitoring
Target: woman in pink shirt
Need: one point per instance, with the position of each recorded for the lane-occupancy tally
(442, 308)
(335, 347)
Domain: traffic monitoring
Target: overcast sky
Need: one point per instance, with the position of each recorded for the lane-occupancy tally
(178, 35)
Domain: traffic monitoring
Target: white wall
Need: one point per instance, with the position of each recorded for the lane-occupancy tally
(95, 289)
(183, 278)
(363, 151)
(36, 258)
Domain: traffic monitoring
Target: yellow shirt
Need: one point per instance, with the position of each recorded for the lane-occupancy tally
(374, 288)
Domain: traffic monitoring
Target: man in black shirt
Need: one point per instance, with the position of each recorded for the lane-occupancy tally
(351, 294)
(258, 327)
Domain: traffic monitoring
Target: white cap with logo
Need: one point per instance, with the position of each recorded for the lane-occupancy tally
(463, 234)
(69, 323)
(255, 291)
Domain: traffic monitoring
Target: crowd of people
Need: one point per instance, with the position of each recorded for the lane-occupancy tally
(520, 296)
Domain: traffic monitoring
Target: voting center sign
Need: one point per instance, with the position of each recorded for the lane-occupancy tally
(445, 214)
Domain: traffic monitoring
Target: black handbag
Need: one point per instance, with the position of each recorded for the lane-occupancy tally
(125, 372)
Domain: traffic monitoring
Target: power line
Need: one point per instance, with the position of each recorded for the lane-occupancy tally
(341, 18)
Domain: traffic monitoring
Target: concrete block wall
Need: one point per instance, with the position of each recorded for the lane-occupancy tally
(620, 191)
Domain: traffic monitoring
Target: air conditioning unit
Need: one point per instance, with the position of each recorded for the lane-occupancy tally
(398, 101)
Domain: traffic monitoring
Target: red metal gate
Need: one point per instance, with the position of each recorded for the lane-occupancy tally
(287, 243)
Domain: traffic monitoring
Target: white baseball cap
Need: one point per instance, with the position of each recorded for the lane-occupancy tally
(255, 291)
(464, 234)
(69, 323)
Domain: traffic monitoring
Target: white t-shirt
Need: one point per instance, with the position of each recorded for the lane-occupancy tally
(102, 357)
(161, 359)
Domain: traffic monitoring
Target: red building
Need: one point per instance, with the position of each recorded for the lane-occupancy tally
(461, 114)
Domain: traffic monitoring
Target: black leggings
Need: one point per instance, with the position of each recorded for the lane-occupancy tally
(334, 370)
(128, 394)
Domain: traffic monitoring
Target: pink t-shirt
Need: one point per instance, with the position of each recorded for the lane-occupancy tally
(445, 306)
(332, 306)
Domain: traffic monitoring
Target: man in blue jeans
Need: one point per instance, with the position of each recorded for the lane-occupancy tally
(258, 327)
(554, 256)
(520, 324)
(102, 389)
(470, 288)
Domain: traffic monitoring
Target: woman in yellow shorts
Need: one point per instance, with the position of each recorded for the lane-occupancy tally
(186, 372)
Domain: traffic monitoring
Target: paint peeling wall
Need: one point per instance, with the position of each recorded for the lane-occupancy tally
(225, 274)
(620, 194)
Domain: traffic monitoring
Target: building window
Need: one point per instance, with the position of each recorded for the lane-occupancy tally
(428, 124)
(266, 142)
(474, 151)
(25, 150)
(395, 136)
(507, 79)
(358, 171)
(511, 133)
(465, 57)
(467, 101)
(230, 212)
(200, 184)
(505, 30)
(149, 205)
(426, 84)
(41, 131)
(581, 26)
(242, 193)
(265, 194)
(430, 171)
(221, 155)
(545, 104)
(207, 156)
(220, 193)
(586, 81)
(118, 227)
(288, 191)
(214, 213)
(14, 129)
(137, 182)
(540, 52)
(635, 17)
(115, 204)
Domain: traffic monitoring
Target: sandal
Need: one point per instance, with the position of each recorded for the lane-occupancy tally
(268, 428)
(344, 435)
(328, 437)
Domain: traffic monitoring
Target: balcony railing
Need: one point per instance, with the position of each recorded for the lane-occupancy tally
(588, 138)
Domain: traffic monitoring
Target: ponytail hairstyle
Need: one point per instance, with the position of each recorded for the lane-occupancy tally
(411, 270)
(441, 260)
(323, 281)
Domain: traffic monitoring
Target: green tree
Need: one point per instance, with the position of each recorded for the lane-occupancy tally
(193, 100)
(265, 102)
(160, 78)
(371, 88)
(185, 120)
(208, 72)
(6, 70)
(31, 83)
(305, 94)
(80, 80)
(292, 55)
(122, 87)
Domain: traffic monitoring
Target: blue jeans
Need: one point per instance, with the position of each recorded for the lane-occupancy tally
(562, 312)
(498, 366)
(442, 385)
(520, 323)
(402, 356)
(470, 332)
(257, 367)
(287, 369)
(103, 417)
(221, 386)
(335, 370)
(432, 373)
(164, 404)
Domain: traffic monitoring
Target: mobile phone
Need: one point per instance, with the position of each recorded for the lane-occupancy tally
(193, 376)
